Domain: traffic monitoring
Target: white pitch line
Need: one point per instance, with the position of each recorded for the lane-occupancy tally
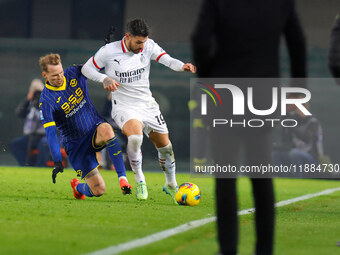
(115, 249)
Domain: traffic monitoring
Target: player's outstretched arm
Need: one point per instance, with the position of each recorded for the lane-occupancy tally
(175, 64)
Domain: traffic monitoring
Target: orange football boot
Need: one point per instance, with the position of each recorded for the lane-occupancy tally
(76, 194)
(125, 186)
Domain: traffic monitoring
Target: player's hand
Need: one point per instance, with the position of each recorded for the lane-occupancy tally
(58, 167)
(110, 84)
(189, 68)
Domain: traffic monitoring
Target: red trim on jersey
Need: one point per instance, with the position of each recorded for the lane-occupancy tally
(123, 48)
(94, 62)
(160, 56)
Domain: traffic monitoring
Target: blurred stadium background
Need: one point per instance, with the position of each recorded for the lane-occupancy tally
(77, 28)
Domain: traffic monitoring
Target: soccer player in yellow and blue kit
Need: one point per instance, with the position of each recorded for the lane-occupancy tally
(66, 105)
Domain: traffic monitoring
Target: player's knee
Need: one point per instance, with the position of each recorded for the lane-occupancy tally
(98, 190)
(105, 130)
(135, 142)
(166, 150)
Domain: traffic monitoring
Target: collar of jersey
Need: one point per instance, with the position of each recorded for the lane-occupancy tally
(124, 48)
(62, 87)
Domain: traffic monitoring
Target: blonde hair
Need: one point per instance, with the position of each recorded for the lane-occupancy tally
(49, 59)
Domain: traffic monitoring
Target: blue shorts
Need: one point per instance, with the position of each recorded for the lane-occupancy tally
(82, 153)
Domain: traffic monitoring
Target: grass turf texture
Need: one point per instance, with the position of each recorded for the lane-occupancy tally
(39, 217)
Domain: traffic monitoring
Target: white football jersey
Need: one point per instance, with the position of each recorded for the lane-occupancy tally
(130, 70)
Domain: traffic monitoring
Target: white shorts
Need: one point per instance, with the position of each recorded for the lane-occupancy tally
(151, 117)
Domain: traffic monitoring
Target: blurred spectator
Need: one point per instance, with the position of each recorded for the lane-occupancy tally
(241, 39)
(334, 51)
(31, 149)
(302, 144)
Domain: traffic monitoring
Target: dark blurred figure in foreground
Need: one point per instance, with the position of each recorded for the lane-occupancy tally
(31, 149)
(334, 51)
(241, 39)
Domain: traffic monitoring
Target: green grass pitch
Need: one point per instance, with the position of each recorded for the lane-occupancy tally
(39, 217)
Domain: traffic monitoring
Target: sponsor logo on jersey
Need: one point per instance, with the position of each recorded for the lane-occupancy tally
(73, 82)
(130, 73)
(74, 111)
(130, 76)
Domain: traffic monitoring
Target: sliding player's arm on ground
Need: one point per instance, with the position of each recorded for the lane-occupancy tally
(92, 68)
(53, 142)
(52, 138)
(162, 57)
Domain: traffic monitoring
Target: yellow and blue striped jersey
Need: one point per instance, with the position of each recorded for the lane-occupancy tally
(69, 107)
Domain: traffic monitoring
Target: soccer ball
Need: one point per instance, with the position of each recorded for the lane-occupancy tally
(188, 194)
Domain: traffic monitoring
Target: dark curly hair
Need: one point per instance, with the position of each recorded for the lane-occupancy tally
(138, 27)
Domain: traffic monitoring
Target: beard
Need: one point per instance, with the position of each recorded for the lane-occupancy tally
(134, 50)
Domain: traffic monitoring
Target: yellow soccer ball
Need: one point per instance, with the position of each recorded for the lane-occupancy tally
(188, 194)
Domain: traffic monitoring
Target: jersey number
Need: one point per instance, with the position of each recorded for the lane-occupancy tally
(160, 119)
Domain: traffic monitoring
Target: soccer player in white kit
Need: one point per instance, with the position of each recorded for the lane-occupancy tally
(127, 68)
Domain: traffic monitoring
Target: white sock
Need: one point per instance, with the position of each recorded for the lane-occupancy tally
(167, 163)
(135, 156)
(122, 177)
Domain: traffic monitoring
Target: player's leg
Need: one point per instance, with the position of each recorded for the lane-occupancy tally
(133, 129)
(105, 137)
(95, 182)
(94, 186)
(166, 156)
(166, 161)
